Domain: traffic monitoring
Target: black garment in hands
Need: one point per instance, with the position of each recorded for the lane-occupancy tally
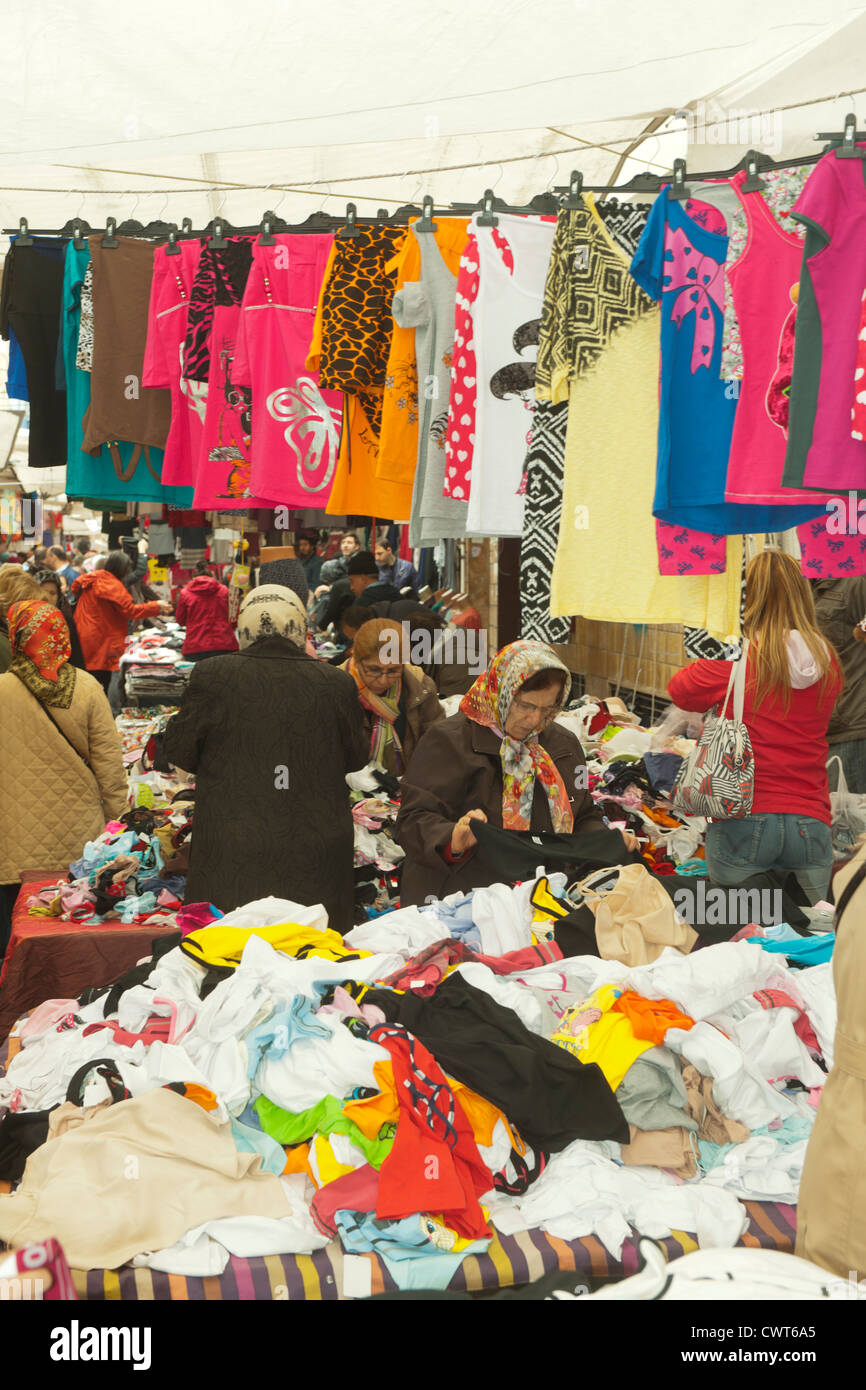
(546, 1092)
(270, 734)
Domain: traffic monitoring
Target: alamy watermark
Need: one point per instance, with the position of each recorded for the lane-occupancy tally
(846, 517)
(728, 907)
(463, 646)
(713, 124)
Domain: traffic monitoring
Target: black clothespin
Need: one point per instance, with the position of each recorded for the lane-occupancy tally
(848, 148)
(266, 235)
(350, 230)
(382, 215)
(753, 184)
(425, 222)
(217, 228)
(109, 241)
(186, 227)
(575, 184)
(678, 189)
(24, 238)
(173, 248)
(487, 217)
(77, 229)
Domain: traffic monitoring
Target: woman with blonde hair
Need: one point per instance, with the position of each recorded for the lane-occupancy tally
(16, 586)
(398, 701)
(793, 678)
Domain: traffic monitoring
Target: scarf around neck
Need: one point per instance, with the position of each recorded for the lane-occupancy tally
(488, 703)
(385, 710)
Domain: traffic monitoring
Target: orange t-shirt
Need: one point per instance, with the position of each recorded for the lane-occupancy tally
(650, 1019)
(398, 440)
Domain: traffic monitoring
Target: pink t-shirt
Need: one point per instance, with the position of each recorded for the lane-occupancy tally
(821, 450)
(764, 282)
(295, 425)
(225, 459)
(163, 360)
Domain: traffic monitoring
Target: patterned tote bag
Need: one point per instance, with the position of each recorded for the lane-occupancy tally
(717, 779)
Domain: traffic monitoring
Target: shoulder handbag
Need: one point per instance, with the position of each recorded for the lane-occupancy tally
(635, 919)
(717, 779)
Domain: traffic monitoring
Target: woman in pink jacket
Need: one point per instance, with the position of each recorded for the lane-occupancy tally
(203, 609)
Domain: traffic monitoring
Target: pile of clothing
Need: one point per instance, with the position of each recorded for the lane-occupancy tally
(631, 773)
(438, 1073)
(135, 871)
(153, 668)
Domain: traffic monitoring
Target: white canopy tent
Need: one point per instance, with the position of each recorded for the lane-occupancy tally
(174, 109)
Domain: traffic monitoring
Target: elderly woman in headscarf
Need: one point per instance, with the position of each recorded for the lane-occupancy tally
(270, 734)
(61, 765)
(399, 701)
(500, 759)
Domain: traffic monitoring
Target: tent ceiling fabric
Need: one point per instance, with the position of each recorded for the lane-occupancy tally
(382, 103)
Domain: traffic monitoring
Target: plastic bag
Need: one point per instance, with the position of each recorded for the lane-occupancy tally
(676, 723)
(848, 812)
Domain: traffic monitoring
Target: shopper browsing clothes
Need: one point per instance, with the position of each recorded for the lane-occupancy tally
(104, 611)
(270, 734)
(500, 759)
(203, 609)
(51, 584)
(61, 767)
(399, 702)
(793, 678)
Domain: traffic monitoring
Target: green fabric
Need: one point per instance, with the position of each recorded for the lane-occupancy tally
(808, 349)
(326, 1117)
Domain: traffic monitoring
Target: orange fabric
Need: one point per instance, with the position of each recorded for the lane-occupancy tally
(660, 817)
(103, 613)
(397, 459)
(356, 491)
(650, 1019)
(200, 1095)
(373, 1112)
(298, 1161)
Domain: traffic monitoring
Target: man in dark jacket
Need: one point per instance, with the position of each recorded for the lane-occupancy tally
(364, 581)
(840, 604)
(270, 734)
(393, 570)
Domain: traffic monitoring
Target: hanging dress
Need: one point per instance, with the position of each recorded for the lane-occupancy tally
(295, 424)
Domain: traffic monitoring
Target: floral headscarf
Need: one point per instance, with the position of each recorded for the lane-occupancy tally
(489, 702)
(272, 611)
(41, 652)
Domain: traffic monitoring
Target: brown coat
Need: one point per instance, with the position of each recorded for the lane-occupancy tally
(831, 1212)
(457, 768)
(421, 706)
(50, 805)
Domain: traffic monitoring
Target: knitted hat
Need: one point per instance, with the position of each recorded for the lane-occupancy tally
(362, 563)
(289, 574)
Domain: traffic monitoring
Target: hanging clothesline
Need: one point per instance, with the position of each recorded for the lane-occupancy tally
(646, 182)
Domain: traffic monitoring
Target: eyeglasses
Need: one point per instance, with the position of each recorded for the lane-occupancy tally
(527, 708)
(375, 673)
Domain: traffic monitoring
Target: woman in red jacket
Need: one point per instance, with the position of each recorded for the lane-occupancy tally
(793, 677)
(203, 609)
(103, 613)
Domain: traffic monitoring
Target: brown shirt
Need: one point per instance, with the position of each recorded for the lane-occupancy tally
(457, 768)
(120, 407)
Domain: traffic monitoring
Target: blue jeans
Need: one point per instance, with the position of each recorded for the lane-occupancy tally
(736, 849)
